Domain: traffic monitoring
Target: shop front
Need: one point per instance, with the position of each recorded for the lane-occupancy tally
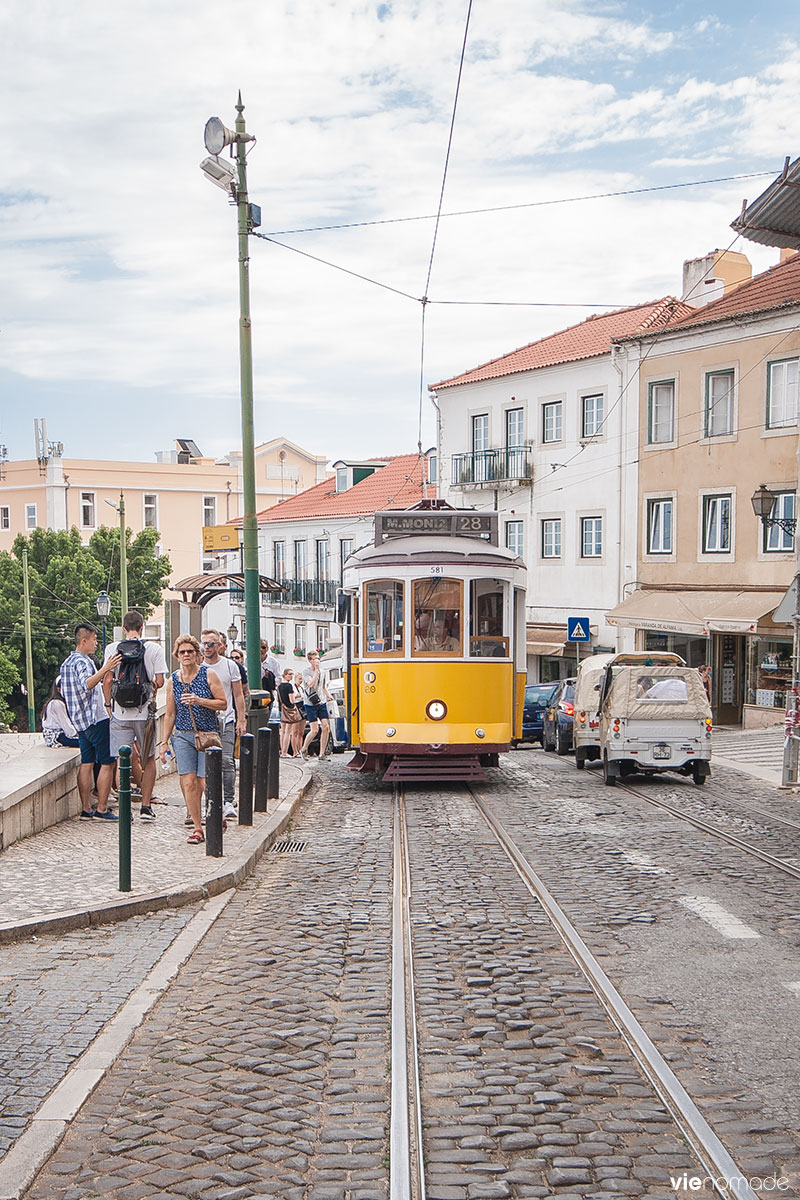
(550, 656)
(733, 633)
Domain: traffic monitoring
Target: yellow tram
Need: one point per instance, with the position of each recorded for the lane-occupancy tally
(434, 644)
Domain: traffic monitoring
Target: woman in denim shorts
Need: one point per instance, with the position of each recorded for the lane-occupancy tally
(197, 688)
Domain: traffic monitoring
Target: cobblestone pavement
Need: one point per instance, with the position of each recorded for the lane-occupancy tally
(74, 865)
(56, 994)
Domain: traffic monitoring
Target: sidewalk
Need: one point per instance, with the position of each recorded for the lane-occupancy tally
(67, 876)
(754, 752)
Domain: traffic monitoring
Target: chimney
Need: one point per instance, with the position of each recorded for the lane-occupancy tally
(713, 276)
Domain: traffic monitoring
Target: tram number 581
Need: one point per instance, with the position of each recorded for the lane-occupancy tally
(437, 570)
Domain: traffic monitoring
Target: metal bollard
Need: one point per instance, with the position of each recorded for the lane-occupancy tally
(214, 803)
(274, 764)
(246, 748)
(124, 815)
(262, 767)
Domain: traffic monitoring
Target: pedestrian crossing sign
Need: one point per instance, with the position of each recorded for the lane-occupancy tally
(578, 629)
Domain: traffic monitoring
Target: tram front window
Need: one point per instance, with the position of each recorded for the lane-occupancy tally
(384, 610)
(437, 616)
(486, 634)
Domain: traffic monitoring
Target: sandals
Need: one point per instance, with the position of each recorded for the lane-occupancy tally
(196, 837)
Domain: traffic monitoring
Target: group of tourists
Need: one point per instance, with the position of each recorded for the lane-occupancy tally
(101, 709)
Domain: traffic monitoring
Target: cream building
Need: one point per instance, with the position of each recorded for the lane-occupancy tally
(178, 494)
(718, 417)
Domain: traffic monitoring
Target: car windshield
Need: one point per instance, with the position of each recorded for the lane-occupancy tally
(539, 694)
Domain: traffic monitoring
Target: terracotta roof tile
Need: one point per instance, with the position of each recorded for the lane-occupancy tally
(779, 287)
(586, 340)
(397, 485)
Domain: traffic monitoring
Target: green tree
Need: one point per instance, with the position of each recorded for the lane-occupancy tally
(9, 677)
(65, 579)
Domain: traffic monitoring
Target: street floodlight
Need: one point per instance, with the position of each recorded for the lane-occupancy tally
(217, 136)
(220, 173)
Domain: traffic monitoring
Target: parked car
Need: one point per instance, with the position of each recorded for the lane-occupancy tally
(537, 697)
(558, 718)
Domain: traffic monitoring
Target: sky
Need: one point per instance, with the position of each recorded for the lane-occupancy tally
(118, 259)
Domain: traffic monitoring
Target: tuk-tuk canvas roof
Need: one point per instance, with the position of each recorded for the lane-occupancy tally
(623, 699)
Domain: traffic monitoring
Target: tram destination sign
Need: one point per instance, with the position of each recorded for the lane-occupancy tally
(436, 523)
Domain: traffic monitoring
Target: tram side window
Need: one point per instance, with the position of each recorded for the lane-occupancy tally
(486, 633)
(437, 616)
(384, 612)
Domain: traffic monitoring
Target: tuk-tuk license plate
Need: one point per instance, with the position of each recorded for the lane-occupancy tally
(662, 752)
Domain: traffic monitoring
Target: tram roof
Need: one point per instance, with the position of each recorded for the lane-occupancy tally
(406, 551)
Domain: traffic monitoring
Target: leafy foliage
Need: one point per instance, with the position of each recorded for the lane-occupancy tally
(65, 578)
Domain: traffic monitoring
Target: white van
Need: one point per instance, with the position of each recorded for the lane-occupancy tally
(586, 729)
(653, 719)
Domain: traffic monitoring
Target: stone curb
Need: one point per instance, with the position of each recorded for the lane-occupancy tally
(120, 910)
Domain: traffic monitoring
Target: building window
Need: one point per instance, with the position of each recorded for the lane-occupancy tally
(591, 537)
(300, 637)
(322, 638)
(87, 510)
(659, 526)
(341, 479)
(480, 433)
(515, 428)
(300, 560)
(661, 412)
(716, 524)
(591, 416)
(323, 559)
(5, 517)
(30, 516)
(777, 540)
(345, 550)
(719, 403)
(433, 469)
(515, 540)
(150, 510)
(551, 538)
(278, 638)
(551, 421)
(279, 560)
(782, 393)
(209, 510)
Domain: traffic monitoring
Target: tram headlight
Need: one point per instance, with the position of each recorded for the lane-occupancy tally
(436, 710)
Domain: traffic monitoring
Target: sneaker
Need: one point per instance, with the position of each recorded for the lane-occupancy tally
(146, 813)
(87, 816)
(229, 810)
(108, 815)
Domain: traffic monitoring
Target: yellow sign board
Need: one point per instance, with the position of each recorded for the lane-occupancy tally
(220, 537)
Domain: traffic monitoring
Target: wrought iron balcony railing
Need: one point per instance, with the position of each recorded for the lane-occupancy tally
(492, 466)
(307, 593)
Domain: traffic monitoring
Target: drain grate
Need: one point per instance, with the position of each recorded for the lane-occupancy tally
(288, 846)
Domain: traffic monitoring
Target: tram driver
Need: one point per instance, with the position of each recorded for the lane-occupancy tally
(431, 634)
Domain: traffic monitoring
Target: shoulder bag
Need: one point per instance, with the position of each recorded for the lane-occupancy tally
(204, 739)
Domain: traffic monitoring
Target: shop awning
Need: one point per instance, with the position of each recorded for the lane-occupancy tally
(546, 639)
(694, 613)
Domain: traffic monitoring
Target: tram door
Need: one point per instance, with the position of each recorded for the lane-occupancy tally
(729, 675)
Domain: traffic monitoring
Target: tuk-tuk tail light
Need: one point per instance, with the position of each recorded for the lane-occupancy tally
(709, 723)
(582, 718)
(615, 727)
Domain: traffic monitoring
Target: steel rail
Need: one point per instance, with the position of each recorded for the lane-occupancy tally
(778, 863)
(406, 1164)
(709, 1149)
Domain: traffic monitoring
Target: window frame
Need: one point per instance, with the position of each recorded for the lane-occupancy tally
(88, 501)
(731, 404)
(153, 496)
(474, 419)
(554, 521)
(5, 516)
(449, 654)
(651, 505)
(584, 523)
(547, 407)
(707, 500)
(300, 635)
(520, 525)
(322, 559)
(518, 412)
(599, 427)
(781, 362)
(279, 637)
(382, 654)
(321, 633)
(300, 568)
(31, 510)
(769, 530)
(209, 506)
(279, 559)
(651, 386)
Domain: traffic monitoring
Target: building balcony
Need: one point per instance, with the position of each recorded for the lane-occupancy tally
(487, 468)
(305, 593)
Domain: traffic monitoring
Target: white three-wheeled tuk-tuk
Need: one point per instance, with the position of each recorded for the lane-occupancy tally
(654, 718)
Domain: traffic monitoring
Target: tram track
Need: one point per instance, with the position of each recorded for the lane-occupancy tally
(408, 1172)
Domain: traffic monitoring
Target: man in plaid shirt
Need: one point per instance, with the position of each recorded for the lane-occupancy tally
(85, 705)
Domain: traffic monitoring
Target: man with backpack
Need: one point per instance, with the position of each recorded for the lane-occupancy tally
(130, 695)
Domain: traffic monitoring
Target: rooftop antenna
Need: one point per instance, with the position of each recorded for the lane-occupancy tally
(3, 461)
(40, 435)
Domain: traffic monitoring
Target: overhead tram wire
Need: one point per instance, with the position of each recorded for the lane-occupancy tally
(473, 212)
(424, 300)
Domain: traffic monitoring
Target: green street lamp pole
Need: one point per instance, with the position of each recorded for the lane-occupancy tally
(123, 557)
(250, 522)
(28, 646)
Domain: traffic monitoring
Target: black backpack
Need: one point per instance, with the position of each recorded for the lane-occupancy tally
(268, 681)
(131, 686)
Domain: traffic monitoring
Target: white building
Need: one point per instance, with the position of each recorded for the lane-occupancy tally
(548, 435)
(304, 540)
